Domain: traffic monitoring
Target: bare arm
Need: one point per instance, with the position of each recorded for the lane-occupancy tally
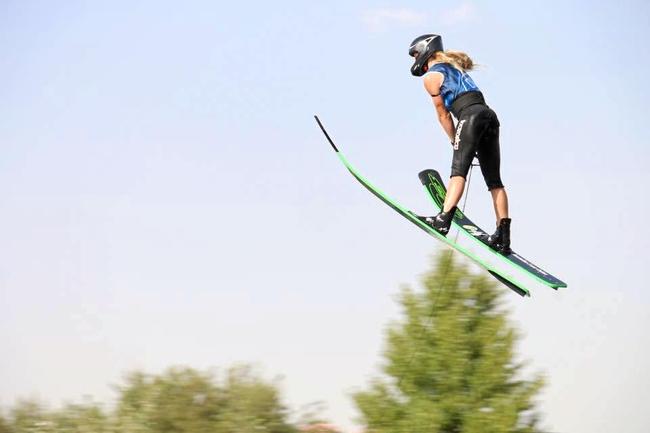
(432, 83)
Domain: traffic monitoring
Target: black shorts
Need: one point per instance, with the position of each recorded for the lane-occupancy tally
(477, 133)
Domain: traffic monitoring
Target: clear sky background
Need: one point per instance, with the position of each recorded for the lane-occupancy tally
(166, 197)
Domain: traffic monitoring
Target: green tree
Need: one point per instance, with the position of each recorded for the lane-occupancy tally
(180, 400)
(30, 416)
(251, 405)
(80, 418)
(187, 401)
(4, 425)
(449, 363)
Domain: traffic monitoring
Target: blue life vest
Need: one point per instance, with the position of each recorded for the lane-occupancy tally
(455, 83)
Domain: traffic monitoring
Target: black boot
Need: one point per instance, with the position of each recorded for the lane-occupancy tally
(500, 240)
(442, 221)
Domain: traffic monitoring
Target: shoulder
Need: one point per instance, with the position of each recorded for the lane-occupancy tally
(436, 74)
(432, 81)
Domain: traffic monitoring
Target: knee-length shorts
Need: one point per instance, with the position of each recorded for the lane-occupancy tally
(477, 134)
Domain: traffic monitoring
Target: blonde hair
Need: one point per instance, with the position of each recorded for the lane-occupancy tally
(457, 59)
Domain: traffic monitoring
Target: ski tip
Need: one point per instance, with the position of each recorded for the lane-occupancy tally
(426, 175)
(322, 128)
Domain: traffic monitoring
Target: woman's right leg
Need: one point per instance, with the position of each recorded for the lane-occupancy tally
(500, 202)
(489, 156)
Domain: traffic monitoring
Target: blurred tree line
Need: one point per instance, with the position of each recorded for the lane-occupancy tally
(449, 367)
(179, 400)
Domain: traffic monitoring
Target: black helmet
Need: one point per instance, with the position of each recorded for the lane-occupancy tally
(422, 48)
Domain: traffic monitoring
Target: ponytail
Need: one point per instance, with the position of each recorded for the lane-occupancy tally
(457, 59)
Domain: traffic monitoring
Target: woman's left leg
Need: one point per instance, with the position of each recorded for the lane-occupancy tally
(468, 131)
(454, 192)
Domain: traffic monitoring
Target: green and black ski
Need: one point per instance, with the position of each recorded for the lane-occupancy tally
(436, 188)
(497, 273)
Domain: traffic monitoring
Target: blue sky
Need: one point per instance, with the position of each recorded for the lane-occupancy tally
(166, 198)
